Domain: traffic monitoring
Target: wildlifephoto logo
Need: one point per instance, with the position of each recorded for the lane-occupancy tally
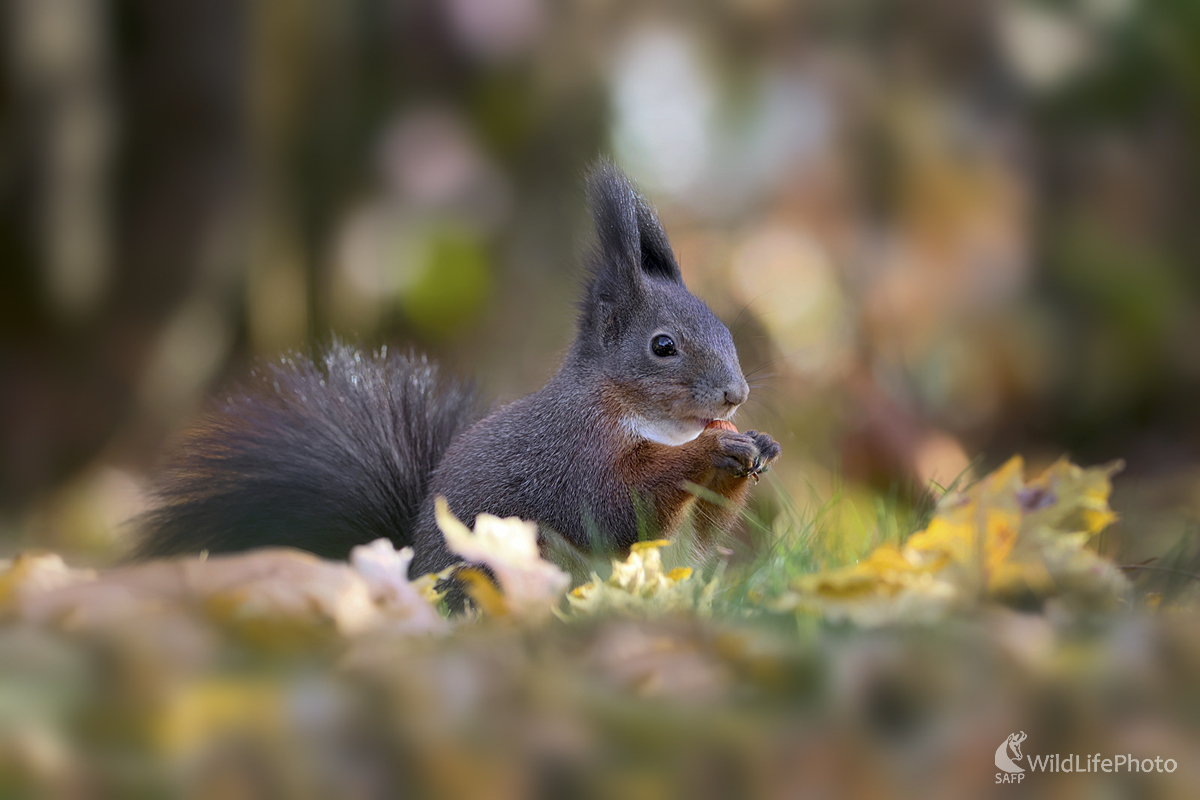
(1009, 753)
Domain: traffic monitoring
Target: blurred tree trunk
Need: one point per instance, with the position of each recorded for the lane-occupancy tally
(159, 88)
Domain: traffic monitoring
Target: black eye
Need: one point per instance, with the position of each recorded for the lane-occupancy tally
(663, 346)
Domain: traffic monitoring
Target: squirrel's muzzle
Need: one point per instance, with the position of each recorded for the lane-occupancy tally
(736, 393)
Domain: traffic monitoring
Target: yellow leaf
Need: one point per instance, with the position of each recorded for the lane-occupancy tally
(482, 591)
(1032, 535)
(638, 586)
(649, 545)
(207, 709)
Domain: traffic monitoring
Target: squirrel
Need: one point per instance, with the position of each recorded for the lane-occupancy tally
(339, 451)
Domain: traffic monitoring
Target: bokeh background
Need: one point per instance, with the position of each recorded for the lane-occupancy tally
(943, 231)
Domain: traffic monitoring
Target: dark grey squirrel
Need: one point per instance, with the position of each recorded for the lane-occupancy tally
(332, 453)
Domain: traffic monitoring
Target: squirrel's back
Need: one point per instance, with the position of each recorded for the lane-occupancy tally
(322, 455)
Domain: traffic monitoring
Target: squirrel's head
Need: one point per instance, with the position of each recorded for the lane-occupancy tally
(667, 359)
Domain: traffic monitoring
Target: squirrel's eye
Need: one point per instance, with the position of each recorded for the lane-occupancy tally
(663, 346)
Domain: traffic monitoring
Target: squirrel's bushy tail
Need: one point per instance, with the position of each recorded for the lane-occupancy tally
(326, 455)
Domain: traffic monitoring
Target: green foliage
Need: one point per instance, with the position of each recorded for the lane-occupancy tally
(453, 283)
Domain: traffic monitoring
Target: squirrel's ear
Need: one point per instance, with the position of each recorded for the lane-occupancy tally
(657, 259)
(632, 247)
(632, 242)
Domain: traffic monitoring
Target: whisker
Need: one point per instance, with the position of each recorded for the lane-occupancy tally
(745, 308)
(764, 365)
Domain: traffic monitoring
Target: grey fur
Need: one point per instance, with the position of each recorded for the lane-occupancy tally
(321, 456)
(335, 454)
(549, 456)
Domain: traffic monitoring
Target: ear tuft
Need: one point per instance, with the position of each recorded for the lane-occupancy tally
(656, 258)
(614, 206)
(632, 241)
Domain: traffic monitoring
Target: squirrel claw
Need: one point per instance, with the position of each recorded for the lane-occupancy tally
(746, 455)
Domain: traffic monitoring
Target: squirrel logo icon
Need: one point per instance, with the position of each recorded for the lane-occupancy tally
(1013, 742)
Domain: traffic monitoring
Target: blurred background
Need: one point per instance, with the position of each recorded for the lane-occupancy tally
(943, 231)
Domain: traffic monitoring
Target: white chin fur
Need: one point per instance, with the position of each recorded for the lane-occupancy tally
(666, 432)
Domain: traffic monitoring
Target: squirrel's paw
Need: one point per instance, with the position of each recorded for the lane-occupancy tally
(768, 449)
(746, 454)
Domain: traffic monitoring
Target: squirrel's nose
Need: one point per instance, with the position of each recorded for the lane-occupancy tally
(736, 395)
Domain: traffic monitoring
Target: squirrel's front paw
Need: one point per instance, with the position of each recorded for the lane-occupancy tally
(768, 448)
(748, 454)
